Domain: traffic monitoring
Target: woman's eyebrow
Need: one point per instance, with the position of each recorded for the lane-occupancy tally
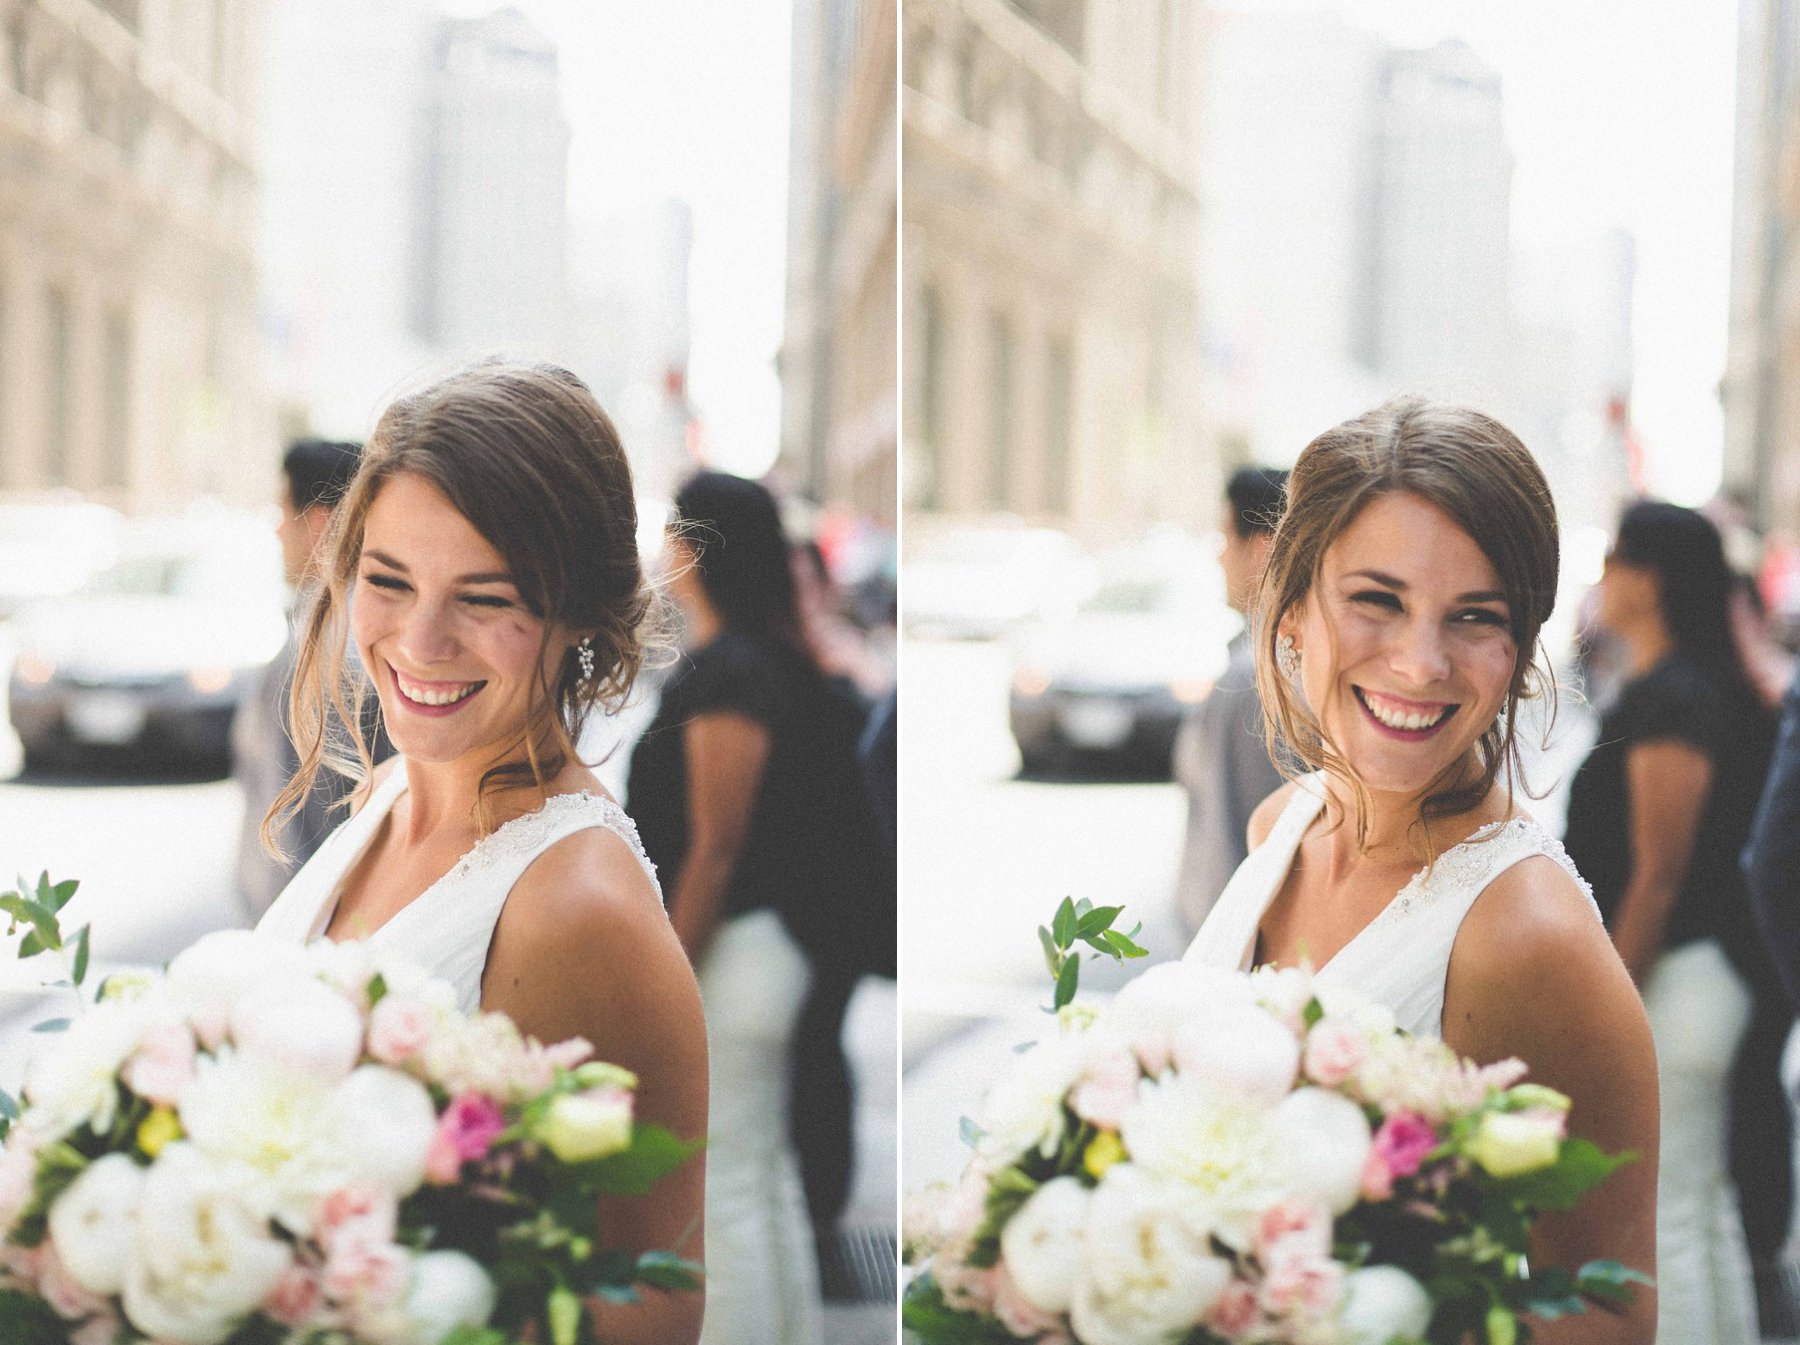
(1399, 586)
(484, 577)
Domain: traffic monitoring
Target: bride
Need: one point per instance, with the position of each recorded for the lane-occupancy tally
(485, 563)
(1406, 585)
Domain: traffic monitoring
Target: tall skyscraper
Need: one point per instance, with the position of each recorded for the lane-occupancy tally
(493, 186)
(1436, 316)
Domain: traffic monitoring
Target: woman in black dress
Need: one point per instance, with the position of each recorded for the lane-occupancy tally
(1658, 814)
(744, 789)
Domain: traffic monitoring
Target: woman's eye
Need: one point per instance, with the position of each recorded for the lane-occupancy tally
(1482, 616)
(1377, 598)
(386, 581)
(485, 600)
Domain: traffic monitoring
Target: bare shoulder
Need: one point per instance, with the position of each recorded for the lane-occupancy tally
(589, 886)
(1266, 813)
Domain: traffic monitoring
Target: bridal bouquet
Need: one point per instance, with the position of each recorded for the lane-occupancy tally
(272, 1143)
(1217, 1158)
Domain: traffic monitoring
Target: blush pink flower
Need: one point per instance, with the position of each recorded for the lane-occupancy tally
(399, 1028)
(1302, 1287)
(365, 1273)
(1377, 1179)
(466, 1131)
(1403, 1140)
(1018, 1314)
(356, 1213)
(71, 1300)
(1107, 1089)
(1295, 1228)
(101, 1329)
(296, 1296)
(1334, 1051)
(162, 1064)
(1235, 1312)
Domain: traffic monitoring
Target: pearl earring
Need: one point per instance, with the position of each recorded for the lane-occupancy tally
(1287, 658)
(584, 654)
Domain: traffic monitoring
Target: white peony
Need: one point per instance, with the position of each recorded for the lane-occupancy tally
(1219, 1149)
(1043, 1246)
(299, 1025)
(93, 1224)
(1241, 1049)
(383, 1127)
(72, 1077)
(1151, 1275)
(1024, 1109)
(1324, 1139)
(204, 1260)
(1381, 1302)
(1157, 1004)
(448, 1289)
(269, 1131)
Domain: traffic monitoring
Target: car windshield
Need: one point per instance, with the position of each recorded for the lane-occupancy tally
(178, 575)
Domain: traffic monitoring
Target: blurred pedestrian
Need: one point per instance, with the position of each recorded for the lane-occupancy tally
(1772, 858)
(1658, 814)
(837, 644)
(748, 795)
(1221, 758)
(314, 475)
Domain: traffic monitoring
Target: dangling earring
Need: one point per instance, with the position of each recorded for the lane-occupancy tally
(584, 654)
(1287, 658)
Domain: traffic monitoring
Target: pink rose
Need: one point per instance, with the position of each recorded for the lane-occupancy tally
(1299, 1286)
(366, 1273)
(466, 1131)
(1297, 1227)
(162, 1064)
(1107, 1089)
(1403, 1140)
(18, 1171)
(399, 1028)
(1502, 1074)
(1016, 1313)
(295, 1297)
(1235, 1312)
(1377, 1179)
(353, 1213)
(71, 1300)
(568, 1054)
(1334, 1051)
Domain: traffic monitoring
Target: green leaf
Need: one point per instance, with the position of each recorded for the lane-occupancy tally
(30, 946)
(924, 1313)
(1052, 954)
(53, 1025)
(378, 988)
(653, 1155)
(1096, 920)
(1313, 1012)
(26, 1319)
(1062, 928)
(9, 1106)
(1067, 980)
(61, 892)
(1121, 946)
(563, 1310)
(1610, 1284)
(971, 1133)
(41, 918)
(1579, 1168)
(665, 1270)
(81, 955)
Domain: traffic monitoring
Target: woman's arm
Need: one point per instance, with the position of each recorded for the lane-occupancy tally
(726, 756)
(1533, 975)
(583, 949)
(1667, 782)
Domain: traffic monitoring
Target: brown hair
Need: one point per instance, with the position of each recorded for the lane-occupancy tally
(524, 452)
(1476, 471)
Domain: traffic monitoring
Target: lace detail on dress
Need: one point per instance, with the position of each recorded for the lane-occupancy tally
(525, 834)
(1470, 862)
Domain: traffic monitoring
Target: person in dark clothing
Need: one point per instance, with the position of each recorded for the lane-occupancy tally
(1658, 814)
(743, 789)
(1772, 858)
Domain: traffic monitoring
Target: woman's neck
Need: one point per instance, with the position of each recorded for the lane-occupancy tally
(444, 796)
(1383, 827)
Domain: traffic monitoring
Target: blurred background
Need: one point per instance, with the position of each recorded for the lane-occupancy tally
(1148, 242)
(228, 224)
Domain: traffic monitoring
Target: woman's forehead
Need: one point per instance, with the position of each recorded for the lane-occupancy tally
(1407, 537)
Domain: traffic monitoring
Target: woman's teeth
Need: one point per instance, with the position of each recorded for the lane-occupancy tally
(1396, 718)
(439, 695)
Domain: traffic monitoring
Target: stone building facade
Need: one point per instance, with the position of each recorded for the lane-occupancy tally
(1049, 256)
(128, 364)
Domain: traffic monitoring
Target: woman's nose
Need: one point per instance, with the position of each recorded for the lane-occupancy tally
(1420, 654)
(428, 634)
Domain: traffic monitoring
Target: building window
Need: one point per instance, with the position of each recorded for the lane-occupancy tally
(1000, 411)
(931, 401)
(1059, 408)
(117, 426)
(56, 336)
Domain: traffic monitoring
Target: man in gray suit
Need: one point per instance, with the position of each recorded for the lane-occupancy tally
(314, 475)
(1220, 756)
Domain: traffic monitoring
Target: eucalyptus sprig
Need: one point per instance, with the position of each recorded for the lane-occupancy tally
(1083, 922)
(37, 907)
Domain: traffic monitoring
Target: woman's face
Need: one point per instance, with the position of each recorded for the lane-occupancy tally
(1627, 595)
(441, 629)
(1406, 643)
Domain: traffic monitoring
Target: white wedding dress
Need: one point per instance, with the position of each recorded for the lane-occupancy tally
(762, 1277)
(1401, 959)
(1402, 956)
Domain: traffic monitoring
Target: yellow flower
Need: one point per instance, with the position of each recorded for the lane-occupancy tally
(157, 1129)
(1102, 1152)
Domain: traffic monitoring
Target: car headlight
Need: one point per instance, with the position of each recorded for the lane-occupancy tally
(34, 669)
(1030, 682)
(209, 681)
(1190, 690)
